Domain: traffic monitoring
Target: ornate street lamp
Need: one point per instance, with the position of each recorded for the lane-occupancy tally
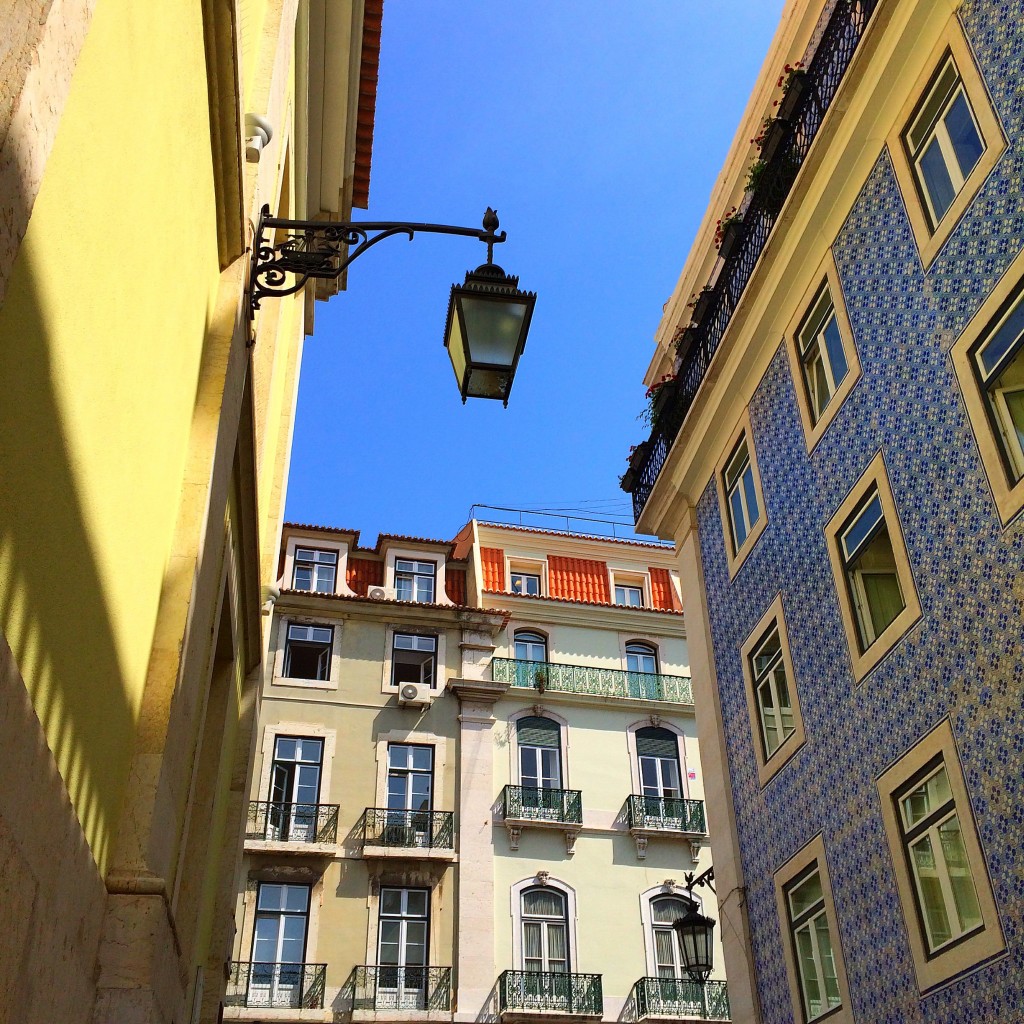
(695, 932)
(488, 316)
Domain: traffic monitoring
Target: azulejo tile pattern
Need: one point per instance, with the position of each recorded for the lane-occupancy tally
(963, 659)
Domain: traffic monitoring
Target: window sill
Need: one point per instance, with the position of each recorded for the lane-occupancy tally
(304, 684)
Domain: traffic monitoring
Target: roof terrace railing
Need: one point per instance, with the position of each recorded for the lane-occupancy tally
(602, 682)
(819, 83)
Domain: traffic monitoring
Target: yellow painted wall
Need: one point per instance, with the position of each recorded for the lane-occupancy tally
(100, 339)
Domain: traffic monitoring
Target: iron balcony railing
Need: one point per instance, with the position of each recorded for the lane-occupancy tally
(674, 997)
(383, 987)
(603, 682)
(276, 986)
(423, 830)
(546, 991)
(561, 805)
(292, 823)
(668, 813)
(838, 43)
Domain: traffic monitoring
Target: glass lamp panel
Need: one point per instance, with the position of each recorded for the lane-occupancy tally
(493, 328)
(456, 346)
(488, 383)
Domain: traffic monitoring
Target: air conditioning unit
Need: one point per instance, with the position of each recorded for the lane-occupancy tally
(377, 593)
(414, 695)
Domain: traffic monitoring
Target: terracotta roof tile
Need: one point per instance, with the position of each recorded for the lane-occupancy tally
(362, 573)
(578, 579)
(663, 594)
(567, 600)
(369, 69)
(455, 585)
(493, 561)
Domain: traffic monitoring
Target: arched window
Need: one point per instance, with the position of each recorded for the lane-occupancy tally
(540, 762)
(545, 931)
(530, 646)
(657, 751)
(641, 657)
(665, 911)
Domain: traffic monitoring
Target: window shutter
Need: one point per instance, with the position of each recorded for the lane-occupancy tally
(537, 732)
(657, 743)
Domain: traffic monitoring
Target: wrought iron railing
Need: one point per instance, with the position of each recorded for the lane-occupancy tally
(383, 987)
(838, 43)
(423, 830)
(668, 813)
(544, 991)
(674, 997)
(562, 805)
(292, 823)
(604, 682)
(276, 986)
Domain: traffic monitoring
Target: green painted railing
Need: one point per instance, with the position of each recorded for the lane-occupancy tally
(674, 997)
(547, 991)
(667, 813)
(561, 805)
(603, 682)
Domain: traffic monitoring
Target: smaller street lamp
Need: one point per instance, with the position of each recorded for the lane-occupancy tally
(695, 932)
(488, 316)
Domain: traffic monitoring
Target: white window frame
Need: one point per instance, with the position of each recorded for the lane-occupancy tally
(690, 790)
(738, 486)
(812, 345)
(340, 548)
(513, 743)
(271, 733)
(940, 134)
(411, 570)
(321, 558)
(440, 664)
(516, 914)
(278, 665)
(742, 435)
(419, 643)
(394, 554)
(647, 921)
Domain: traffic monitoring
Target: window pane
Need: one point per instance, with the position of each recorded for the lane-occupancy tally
(808, 973)
(859, 530)
(929, 889)
(884, 597)
(926, 798)
(543, 902)
(556, 942)
(391, 901)
(1003, 340)
(836, 353)
(769, 718)
(531, 940)
(416, 902)
(805, 895)
(937, 181)
(667, 911)
(957, 868)
(664, 943)
(739, 524)
(753, 512)
(303, 577)
(932, 106)
(963, 134)
(826, 959)
(818, 385)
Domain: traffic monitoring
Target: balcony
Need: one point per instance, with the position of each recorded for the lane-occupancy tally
(536, 995)
(291, 828)
(384, 990)
(679, 999)
(266, 986)
(601, 682)
(416, 835)
(525, 807)
(838, 43)
(667, 818)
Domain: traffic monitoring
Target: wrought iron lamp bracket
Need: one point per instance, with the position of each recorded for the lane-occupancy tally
(705, 878)
(323, 250)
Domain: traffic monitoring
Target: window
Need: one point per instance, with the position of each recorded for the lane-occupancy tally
(870, 567)
(665, 911)
(878, 600)
(540, 766)
(278, 945)
(307, 653)
(315, 570)
(741, 495)
(413, 659)
(294, 789)
(811, 942)
(940, 868)
(641, 657)
(771, 691)
(402, 930)
(409, 794)
(657, 752)
(822, 355)
(776, 727)
(530, 646)
(629, 594)
(414, 581)
(808, 923)
(943, 141)
(999, 366)
(525, 583)
(545, 932)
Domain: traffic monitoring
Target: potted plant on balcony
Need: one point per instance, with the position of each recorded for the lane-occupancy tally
(770, 137)
(659, 395)
(701, 303)
(793, 82)
(636, 457)
(729, 232)
(755, 172)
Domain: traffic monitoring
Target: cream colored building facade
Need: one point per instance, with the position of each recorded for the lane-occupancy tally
(143, 466)
(451, 736)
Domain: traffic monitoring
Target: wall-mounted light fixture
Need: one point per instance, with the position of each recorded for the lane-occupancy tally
(488, 316)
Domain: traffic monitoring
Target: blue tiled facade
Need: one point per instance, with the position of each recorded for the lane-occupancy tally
(962, 660)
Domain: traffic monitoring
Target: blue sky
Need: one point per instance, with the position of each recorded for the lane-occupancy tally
(596, 129)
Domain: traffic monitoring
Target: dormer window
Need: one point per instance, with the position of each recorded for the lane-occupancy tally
(414, 581)
(315, 570)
